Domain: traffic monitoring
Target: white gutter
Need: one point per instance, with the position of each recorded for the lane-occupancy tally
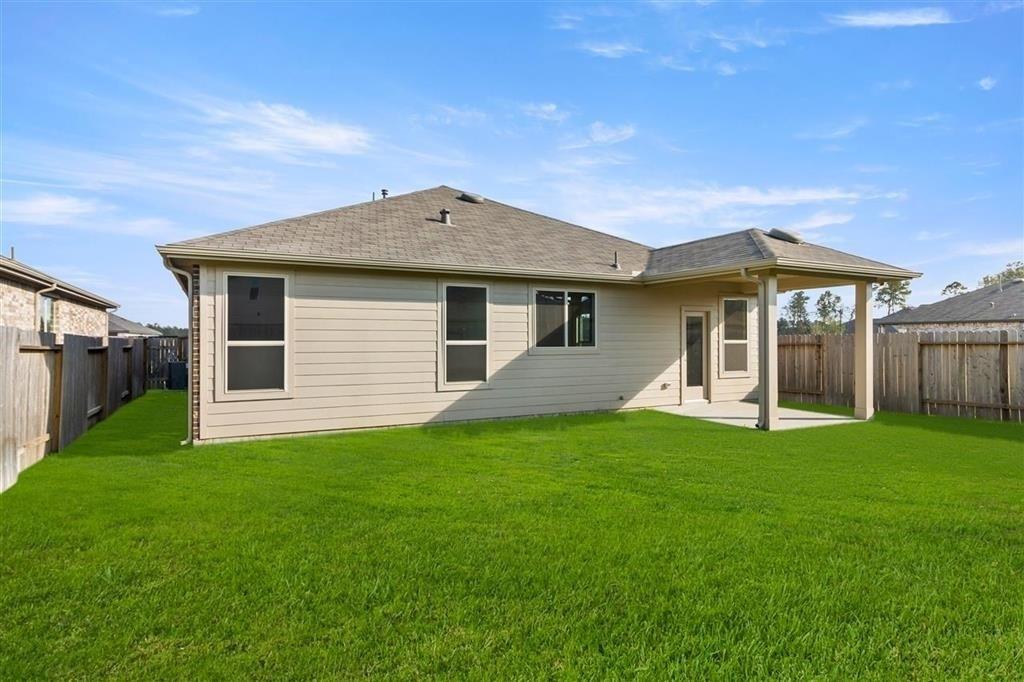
(191, 341)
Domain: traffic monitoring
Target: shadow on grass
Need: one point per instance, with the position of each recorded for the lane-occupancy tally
(959, 426)
(152, 425)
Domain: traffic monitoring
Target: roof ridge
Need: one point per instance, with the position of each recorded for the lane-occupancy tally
(564, 222)
(268, 223)
(764, 248)
(702, 239)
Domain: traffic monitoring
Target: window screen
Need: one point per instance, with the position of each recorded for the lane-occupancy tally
(550, 306)
(255, 333)
(734, 335)
(564, 318)
(465, 341)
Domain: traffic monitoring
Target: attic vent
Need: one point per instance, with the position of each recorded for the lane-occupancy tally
(446, 216)
(786, 236)
(471, 198)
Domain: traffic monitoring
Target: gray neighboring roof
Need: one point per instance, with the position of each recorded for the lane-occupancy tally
(405, 231)
(994, 303)
(14, 269)
(119, 325)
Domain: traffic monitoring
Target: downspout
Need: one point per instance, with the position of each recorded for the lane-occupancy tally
(39, 295)
(191, 340)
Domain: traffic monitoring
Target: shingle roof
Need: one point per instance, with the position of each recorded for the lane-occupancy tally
(406, 230)
(15, 269)
(746, 246)
(120, 325)
(994, 303)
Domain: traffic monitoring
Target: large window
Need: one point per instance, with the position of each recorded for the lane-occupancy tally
(735, 341)
(47, 306)
(564, 319)
(256, 334)
(465, 334)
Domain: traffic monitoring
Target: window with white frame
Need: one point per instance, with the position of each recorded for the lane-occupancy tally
(465, 334)
(47, 308)
(735, 335)
(256, 336)
(564, 319)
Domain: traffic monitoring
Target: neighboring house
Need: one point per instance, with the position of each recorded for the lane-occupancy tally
(32, 299)
(439, 305)
(119, 326)
(995, 307)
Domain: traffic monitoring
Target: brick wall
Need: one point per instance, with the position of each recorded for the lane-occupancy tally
(958, 326)
(194, 351)
(17, 305)
(75, 318)
(18, 309)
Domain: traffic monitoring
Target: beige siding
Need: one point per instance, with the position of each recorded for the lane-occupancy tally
(365, 349)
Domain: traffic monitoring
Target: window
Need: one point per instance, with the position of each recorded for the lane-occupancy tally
(465, 334)
(47, 315)
(734, 335)
(255, 333)
(564, 319)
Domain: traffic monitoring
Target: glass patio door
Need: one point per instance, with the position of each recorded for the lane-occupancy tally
(696, 357)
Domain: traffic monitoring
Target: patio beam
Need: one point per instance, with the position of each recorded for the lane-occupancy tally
(864, 354)
(768, 352)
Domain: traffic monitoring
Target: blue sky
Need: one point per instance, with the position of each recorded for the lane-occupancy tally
(895, 131)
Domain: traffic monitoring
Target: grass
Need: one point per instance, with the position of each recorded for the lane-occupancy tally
(620, 545)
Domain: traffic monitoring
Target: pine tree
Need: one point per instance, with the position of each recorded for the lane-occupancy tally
(893, 295)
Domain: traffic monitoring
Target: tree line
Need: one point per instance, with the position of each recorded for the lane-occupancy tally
(832, 314)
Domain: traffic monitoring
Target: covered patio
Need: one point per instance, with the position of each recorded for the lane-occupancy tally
(746, 414)
(771, 263)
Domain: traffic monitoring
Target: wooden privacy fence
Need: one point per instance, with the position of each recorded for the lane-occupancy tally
(969, 374)
(51, 393)
(161, 350)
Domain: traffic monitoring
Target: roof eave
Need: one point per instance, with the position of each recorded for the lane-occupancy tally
(23, 273)
(197, 253)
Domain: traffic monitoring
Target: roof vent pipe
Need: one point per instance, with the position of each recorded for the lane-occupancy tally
(446, 216)
(615, 264)
(383, 194)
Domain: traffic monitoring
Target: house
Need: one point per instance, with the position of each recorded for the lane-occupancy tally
(995, 307)
(124, 328)
(441, 305)
(31, 299)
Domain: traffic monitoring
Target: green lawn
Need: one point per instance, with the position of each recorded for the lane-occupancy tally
(621, 545)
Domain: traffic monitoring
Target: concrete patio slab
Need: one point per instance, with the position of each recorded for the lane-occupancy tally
(736, 413)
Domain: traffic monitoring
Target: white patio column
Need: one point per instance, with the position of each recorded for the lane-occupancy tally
(864, 354)
(768, 352)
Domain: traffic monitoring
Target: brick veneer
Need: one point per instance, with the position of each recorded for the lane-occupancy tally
(194, 351)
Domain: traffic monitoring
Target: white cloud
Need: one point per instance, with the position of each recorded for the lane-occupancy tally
(177, 11)
(448, 115)
(545, 111)
(673, 63)
(602, 134)
(566, 21)
(1009, 247)
(698, 206)
(725, 69)
(48, 209)
(67, 211)
(921, 16)
(279, 130)
(929, 235)
(735, 41)
(987, 83)
(835, 132)
(614, 50)
(874, 168)
(933, 120)
(821, 219)
(904, 84)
